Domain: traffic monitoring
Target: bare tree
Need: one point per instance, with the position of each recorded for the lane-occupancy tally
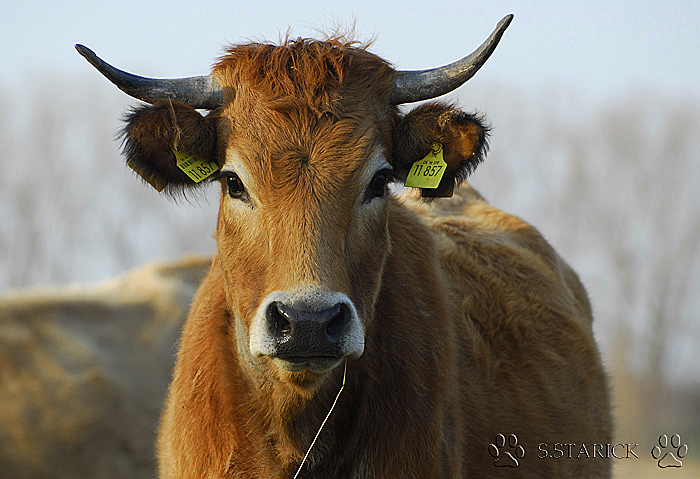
(71, 210)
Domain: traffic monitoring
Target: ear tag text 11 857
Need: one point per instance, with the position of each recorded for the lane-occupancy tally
(427, 172)
(194, 167)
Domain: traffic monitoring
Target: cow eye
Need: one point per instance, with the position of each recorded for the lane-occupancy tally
(377, 187)
(235, 185)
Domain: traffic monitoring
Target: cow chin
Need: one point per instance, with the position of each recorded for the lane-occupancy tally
(306, 331)
(314, 364)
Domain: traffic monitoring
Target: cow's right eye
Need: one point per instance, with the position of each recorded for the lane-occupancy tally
(234, 185)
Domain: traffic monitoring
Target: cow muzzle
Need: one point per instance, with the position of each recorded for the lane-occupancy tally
(311, 330)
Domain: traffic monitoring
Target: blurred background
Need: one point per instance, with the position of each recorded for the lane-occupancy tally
(595, 109)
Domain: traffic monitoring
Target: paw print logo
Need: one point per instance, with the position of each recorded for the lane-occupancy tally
(669, 459)
(506, 458)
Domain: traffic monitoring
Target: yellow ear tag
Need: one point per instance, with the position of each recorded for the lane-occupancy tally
(196, 168)
(427, 173)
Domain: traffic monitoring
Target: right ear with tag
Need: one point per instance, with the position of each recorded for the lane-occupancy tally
(170, 145)
(462, 136)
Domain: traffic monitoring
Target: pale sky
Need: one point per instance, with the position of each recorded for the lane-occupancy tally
(600, 48)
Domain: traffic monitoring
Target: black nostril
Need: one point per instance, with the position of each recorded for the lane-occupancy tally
(278, 320)
(336, 324)
(302, 327)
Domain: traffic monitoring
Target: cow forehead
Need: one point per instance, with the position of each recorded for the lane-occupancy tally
(307, 127)
(328, 170)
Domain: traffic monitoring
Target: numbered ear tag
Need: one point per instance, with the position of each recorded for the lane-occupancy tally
(196, 168)
(427, 173)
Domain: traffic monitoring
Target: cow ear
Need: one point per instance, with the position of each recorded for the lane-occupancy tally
(170, 145)
(463, 136)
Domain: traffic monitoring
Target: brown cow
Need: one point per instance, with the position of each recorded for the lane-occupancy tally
(463, 340)
(71, 406)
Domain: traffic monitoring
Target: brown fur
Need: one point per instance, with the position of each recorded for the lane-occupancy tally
(153, 133)
(473, 325)
(463, 136)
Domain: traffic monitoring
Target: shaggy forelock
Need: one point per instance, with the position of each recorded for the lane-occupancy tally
(314, 72)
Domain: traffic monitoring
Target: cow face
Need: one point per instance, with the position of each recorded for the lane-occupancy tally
(302, 232)
(305, 155)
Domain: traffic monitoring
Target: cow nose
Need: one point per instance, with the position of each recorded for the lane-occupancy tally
(306, 329)
(307, 332)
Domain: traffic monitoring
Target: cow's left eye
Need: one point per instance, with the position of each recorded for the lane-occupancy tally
(377, 187)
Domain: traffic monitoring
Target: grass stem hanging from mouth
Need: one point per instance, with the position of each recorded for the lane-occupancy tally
(303, 461)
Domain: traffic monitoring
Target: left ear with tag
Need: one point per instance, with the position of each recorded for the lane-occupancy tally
(170, 145)
(464, 140)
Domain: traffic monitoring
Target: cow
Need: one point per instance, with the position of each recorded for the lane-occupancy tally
(347, 328)
(70, 403)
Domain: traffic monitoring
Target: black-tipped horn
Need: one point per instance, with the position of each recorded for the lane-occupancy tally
(412, 86)
(199, 92)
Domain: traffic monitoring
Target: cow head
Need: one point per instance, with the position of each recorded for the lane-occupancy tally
(305, 138)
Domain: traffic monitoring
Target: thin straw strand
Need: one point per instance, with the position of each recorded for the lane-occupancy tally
(345, 371)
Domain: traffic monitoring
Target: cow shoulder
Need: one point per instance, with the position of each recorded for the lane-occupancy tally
(523, 319)
(491, 256)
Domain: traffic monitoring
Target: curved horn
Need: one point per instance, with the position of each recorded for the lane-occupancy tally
(412, 86)
(199, 92)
